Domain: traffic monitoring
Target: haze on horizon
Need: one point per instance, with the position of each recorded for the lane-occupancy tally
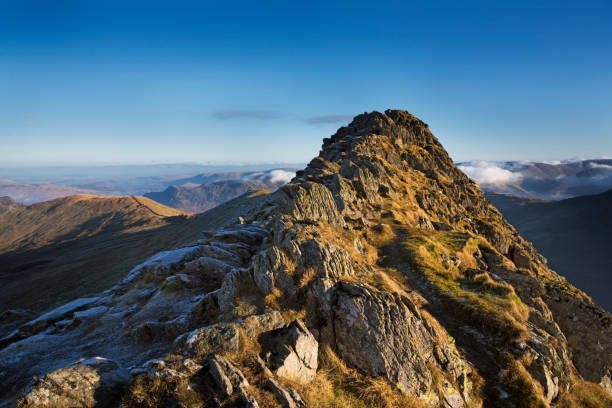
(109, 83)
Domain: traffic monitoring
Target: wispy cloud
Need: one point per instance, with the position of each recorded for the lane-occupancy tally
(226, 114)
(329, 119)
(229, 114)
(600, 166)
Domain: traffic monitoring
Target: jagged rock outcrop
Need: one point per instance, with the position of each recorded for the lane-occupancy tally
(382, 253)
(88, 383)
(385, 335)
(288, 398)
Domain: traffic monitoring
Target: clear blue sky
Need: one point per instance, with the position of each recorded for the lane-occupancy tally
(107, 82)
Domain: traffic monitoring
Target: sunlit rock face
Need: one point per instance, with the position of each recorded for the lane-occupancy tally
(380, 266)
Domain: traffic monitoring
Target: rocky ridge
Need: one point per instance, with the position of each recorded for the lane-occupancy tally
(380, 267)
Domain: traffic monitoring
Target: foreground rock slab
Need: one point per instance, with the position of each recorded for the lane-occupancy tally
(95, 382)
(291, 352)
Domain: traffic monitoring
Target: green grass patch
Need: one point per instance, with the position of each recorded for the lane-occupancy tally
(482, 302)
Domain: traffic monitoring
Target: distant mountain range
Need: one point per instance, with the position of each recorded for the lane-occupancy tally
(205, 191)
(30, 186)
(553, 181)
(574, 234)
(26, 193)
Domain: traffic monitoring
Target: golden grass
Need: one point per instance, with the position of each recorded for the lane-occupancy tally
(246, 360)
(345, 239)
(308, 276)
(274, 299)
(157, 208)
(381, 281)
(380, 235)
(338, 386)
(524, 391)
(258, 192)
(147, 393)
(584, 394)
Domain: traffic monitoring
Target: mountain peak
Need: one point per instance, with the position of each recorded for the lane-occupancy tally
(400, 126)
(395, 135)
(380, 265)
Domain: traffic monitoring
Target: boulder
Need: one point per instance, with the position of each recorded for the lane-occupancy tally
(310, 202)
(254, 325)
(377, 333)
(521, 259)
(217, 338)
(291, 352)
(424, 223)
(229, 381)
(442, 226)
(550, 384)
(330, 260)
(270, 270)
(96, 382)
(219, 377)
(210, 268)
(230, 287)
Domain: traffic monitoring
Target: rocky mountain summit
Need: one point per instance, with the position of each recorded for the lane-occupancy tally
(380, 276)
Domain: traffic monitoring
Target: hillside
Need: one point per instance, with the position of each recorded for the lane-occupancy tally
(204, 197)
(203, 192)
(61, 249)
(380, 276)
(574, 234)
(7, 204)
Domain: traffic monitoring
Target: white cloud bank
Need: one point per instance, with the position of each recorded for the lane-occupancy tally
(283, 176)
(600, 166)
(487, 173)
(273, 176)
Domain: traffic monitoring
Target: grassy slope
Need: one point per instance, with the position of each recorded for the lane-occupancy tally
(56, 251)
(7, 204)
(574, 235)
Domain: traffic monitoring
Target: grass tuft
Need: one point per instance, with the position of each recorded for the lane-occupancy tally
(338, 386)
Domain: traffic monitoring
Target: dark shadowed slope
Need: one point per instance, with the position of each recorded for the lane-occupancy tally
(574, 235)
(57, 250)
